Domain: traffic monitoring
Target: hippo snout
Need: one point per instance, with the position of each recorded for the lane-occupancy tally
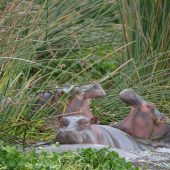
(100, 91)
(130, 97)
(69, 137)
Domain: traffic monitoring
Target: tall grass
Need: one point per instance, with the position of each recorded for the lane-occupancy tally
(47, 44)
(146, 24)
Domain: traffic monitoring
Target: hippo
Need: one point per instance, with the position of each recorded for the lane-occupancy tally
(77, 147)
(78, 103)
(48, 99)
(79, 129)
(144, 120)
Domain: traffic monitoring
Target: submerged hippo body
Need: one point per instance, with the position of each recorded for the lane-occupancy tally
(77, 147)
(144, 120)
(78, 102)
(79, 130)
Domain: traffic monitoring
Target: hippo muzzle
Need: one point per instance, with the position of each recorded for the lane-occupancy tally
(69, 136)
(130, 97)
(90, 90)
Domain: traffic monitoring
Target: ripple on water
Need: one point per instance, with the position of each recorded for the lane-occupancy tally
(158, 159)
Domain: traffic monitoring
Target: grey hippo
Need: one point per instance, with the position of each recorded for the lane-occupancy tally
(81, 130)
(77, 148)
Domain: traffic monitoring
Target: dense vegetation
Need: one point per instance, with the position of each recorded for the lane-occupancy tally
(45, 44)
(88, 159)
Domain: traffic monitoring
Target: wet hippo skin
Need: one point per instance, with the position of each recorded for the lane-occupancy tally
(78, 103)
(76, 147)
(79, 130)
(144, 120)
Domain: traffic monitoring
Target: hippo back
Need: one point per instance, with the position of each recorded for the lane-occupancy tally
(116, 138)
(78, 147)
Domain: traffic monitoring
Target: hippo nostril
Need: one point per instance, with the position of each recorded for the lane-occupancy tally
(66, 132)
(61, 132)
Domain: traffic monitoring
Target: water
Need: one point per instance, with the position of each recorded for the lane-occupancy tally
(157, 159)
(153, 159)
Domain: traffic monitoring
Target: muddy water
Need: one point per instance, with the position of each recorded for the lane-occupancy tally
(157, 159)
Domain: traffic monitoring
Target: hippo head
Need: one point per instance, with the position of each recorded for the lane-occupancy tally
(90, 91)
(75, 129)
(144, 119)
(43, 97)
(48, 99)
(80, 99)
(135, 101)
(77, 101)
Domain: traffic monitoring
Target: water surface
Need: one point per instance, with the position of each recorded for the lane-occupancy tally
(157, 159)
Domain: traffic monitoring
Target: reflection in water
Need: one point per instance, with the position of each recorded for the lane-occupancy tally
(158, 159)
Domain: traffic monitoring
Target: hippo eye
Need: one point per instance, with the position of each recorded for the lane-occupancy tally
(150, 108)
(84, 123)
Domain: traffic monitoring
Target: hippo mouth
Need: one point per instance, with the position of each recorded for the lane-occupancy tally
(73, 89)
(130, 97)
(98, 90)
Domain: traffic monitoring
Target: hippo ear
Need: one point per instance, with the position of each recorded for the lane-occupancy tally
(60, 119)
(94, 120)
(59, 92)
